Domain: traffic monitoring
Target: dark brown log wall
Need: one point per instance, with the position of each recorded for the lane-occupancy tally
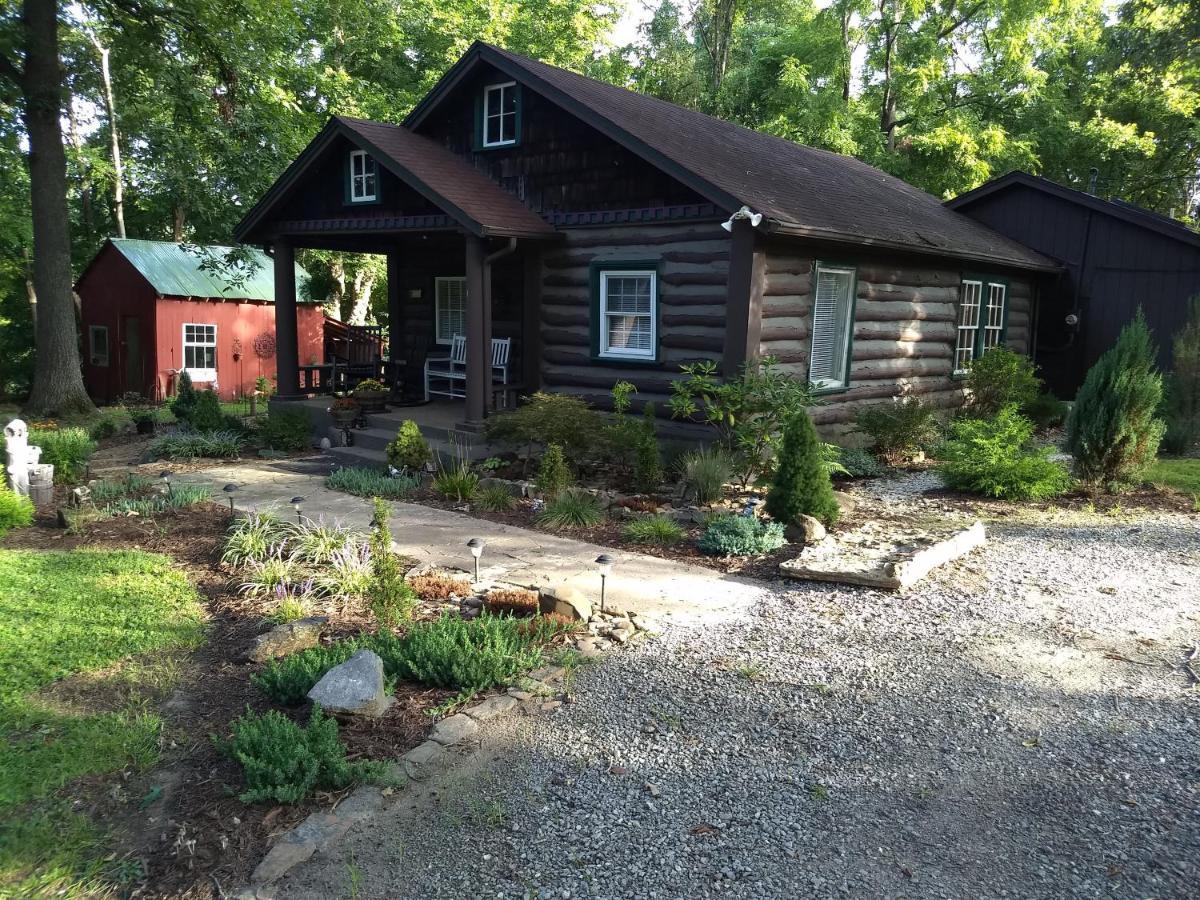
(904, 330)
(692, 260)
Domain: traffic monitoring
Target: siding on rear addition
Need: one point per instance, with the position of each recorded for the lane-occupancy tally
(905, 319)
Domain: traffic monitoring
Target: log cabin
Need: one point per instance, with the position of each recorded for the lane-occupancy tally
(605, 235)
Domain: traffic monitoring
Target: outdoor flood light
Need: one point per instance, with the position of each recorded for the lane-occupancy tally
(296, 501)
(230, 489)
(605, 564)
(476, 547)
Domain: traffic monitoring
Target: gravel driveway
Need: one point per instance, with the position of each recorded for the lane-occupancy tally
(1022, 725)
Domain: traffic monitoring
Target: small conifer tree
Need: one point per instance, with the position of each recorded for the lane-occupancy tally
(801, 485)
(392, 598)
(1183, 386)
(186, 397)
(1114, 430)
(647, 459)
(553, 476)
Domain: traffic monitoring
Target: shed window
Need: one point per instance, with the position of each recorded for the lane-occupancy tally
(628, 314)
(500, 114)
(200, 352)
(362, 177)
(833, 309)
(450, 305)
(98, 344)
(981, 318)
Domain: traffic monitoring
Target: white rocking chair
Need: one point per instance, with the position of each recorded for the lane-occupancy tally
(452, 370)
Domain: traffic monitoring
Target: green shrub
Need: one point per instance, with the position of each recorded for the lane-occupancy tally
(315, 543)
(705, 472)
(1182, 390)
(185, 445)
(206, 414)
(733, 535)
(253, 537)
(900, 430)
(657, 529)
(546, 419)
(286, 430)
(284, 763)
(16, 511)
(748, 410)
(67, 449)
(1046, 410)
(132, 485)
(553, 475)
(571, 509)
(185, 398)
(1114, 430)
(363, 482)
(392, 599)
(111, 422)
(801, 484)
(495, 498)
(287, 681)
(409, 450)
(458, 483)
(1000, 378)
(859, 463)
(468, 655)
(995, 457)
(647, 458)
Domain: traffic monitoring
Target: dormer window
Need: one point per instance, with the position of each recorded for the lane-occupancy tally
(362, 177)
(500, 114)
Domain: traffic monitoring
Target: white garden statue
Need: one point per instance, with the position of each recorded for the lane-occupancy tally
(20, 456)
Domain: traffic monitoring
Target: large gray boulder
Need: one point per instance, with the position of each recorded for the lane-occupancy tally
(354, 688)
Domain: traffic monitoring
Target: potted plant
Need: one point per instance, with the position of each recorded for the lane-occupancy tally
(344, 411)
(372, 394)
(141, 412)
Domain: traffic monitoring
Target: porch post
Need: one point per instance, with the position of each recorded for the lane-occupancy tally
(287, 350)
(478, 364)
(743, 322)
(395, 302)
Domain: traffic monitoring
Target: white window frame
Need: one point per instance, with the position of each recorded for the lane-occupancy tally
(841, 354)
(606, 350)
(993, 324)
(982, 311)
(358, 181)
(499, 90)
(200, 374)
(98, 359)
(438, 299)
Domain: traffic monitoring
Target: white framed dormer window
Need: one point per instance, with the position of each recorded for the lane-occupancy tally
(981, 318)
(832, 328)
(450, 308)
(362, 177)
(200, 352)
(98, 344)
(628, 314)
(500, 114)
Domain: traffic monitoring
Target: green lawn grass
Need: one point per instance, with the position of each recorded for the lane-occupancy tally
(1179, 474)
(63, 614)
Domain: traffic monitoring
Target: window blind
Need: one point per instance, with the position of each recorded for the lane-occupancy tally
(451, 303)
(831, 327)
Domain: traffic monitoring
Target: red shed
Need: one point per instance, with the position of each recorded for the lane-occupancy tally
(148, 310)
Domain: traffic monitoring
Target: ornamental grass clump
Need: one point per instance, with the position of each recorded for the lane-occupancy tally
(801, 485)
(315, 543)
(705, 472)
(1114, 431)
(571, 509)
(252, 537)
(347, 573)
(733, 535)
(265, 576)
(996, 458)
(658, 530)
(495, 498)
(283, 762)
(363, 482)
(458, 483)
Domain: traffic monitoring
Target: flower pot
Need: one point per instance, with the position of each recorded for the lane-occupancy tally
(372, 401)
(344, 418)
(144, 426)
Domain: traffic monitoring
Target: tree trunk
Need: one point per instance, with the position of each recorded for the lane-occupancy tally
(110, 109)
(85, 173)
(847, 55)
(178, 221)
(337, 294)
(364, 284)
(57, 379)
(891, 37)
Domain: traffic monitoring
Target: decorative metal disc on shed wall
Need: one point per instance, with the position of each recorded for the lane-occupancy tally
(264, 345)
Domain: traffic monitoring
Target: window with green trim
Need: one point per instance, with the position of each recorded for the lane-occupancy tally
(832, 325)
(500, 114)
(363, 177)
(628, 314)
(982, 308)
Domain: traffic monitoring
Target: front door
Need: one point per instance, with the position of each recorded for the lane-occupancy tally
(131, 349)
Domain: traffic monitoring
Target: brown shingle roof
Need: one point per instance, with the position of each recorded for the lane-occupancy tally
(799, 189)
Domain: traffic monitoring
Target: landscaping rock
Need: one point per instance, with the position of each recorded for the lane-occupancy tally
(355, 687)
(805, 530)
(454, 730)
(286, 639)
(846, 503)
(566, 601)
(491, 708)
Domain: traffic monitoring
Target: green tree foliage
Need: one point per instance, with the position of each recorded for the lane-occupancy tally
(1183, 386)
(392, 599)
(1000, 378)
(801, 484)
(1114, 430)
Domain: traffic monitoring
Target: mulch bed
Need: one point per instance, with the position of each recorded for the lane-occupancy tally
(200, 839)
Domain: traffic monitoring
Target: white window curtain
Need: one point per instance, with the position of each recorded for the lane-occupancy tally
(833, 306)
(628, 317)
(450, 308)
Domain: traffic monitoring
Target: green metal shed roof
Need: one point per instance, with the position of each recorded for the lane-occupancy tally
(175, 272)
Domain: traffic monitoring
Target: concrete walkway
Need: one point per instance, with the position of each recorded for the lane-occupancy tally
(663, 589)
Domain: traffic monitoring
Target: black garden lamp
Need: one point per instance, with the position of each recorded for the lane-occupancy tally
(605, 563)
(296, 502)
(475, 545)
(230, 489)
